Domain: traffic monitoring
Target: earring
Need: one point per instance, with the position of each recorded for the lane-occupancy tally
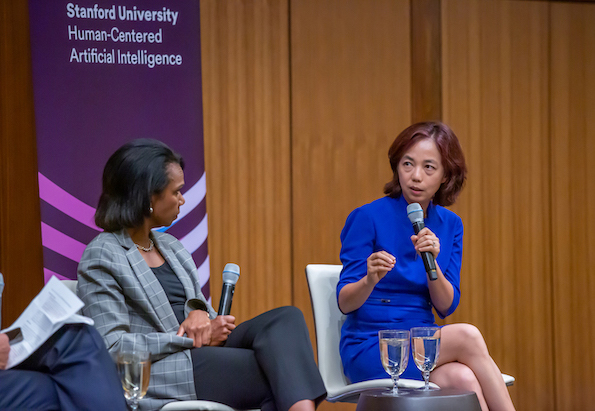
(151, 210)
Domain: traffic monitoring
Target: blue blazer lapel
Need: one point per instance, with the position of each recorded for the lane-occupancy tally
(158, 306)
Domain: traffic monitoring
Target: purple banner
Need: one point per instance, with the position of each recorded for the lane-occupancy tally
(104, 74)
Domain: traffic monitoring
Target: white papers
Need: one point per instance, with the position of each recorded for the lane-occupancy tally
(53, 307)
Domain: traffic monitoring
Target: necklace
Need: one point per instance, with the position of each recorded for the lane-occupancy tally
(146, 249)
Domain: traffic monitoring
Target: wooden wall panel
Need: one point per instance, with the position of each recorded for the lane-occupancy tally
(301, 101)
(426, 62)
(245, 54)
(20, 227)
(573, 195)
(495, 78)
(350, 76)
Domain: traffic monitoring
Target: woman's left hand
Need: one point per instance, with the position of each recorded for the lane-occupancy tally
(221, 327)
(198, 327)
(426, 240)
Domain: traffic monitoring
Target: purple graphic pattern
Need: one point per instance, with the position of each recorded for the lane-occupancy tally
(105, 73)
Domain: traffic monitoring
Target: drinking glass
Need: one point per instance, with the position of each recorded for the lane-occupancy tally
(135, 372)
(394, 353)
(425, 343)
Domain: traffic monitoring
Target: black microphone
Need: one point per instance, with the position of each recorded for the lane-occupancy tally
(416, 216)
(231, 274)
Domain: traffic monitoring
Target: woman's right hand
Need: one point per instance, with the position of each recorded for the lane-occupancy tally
(353, 295)
(198, 327)
(379, 263)
(221, 327)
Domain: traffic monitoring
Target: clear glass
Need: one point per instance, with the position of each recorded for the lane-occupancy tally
(134, 368)
(394, 353)
(425, 343)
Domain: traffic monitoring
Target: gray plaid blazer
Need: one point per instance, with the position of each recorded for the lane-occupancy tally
(130, 308)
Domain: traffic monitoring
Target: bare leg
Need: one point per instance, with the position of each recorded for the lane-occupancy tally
(303, 405)
(457, 375)
(464, 343)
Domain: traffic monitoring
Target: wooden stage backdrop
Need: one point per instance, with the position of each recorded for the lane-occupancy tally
(302, 99)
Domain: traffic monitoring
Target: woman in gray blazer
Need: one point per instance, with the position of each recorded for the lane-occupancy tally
(142, 290)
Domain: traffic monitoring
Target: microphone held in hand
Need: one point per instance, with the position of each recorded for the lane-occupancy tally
(231, 274)
(416, 216)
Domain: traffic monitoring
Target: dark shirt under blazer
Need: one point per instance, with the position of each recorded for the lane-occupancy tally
(130, 308)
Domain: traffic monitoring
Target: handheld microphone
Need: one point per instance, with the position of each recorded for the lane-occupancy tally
(231, 274)
(416, 216)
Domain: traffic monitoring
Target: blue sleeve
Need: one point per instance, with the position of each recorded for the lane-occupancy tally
(452, 271)
(357, 243)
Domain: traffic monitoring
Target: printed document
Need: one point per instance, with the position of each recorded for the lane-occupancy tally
(53, 307)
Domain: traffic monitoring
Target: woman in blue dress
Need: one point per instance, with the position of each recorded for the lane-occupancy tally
(384, 284)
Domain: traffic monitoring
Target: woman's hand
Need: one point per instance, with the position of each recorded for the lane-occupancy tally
(441, 290)
(379, 263)
(198, 327)
(426, 240)
(221, 327)
(352, 296)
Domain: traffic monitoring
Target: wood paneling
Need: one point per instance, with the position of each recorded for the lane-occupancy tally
(20, 227)
(350, 98)
(572, 63)
(495, 62)
(350, 75)
(426, 63)
(245, 50)
(302, 100)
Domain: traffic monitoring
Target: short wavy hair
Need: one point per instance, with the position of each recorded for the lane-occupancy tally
(132, 175)
(453, 160)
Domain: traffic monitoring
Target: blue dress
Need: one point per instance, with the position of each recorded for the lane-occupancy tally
(401, 300)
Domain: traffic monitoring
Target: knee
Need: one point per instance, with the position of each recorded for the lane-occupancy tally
(90, 336)
(465, 378)
(459, 376)
(290, 313)
(286, 318)
(77, 337)
(472, 340)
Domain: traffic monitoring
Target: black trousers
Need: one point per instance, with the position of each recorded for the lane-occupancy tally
(70, 371)
(267, 362)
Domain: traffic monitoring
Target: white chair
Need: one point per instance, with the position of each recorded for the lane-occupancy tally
(189, 405)
(328, 319)
(195, 405)
(71, 284)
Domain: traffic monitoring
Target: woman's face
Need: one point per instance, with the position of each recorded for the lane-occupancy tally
(166, 206)
(421, 172)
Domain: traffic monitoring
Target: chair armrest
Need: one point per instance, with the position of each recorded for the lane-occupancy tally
(195, 405)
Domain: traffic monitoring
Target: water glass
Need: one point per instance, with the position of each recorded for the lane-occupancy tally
(134, 368)
(425, 343)
(394, 353)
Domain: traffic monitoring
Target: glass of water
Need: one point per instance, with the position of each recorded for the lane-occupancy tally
(425, 343)
(394, 353)
(134, 368)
